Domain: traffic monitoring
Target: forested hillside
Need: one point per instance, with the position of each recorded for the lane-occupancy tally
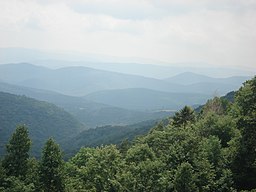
(213, 150)
(43, 119)
(106, 135)
(90, 113)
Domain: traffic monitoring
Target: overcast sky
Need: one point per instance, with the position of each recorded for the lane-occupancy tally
(216, 32)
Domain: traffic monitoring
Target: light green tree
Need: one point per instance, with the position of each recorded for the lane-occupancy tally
(184, 179)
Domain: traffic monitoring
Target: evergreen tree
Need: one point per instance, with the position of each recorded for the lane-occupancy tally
(15, 162)
(183, 117)
(51, 168)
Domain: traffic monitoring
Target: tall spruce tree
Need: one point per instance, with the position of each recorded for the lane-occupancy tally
(15, 162)
(51, 168)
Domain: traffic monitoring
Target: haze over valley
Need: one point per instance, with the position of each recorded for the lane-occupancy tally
(95, 96)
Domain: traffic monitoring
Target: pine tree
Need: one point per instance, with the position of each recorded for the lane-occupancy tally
(184, 116)
(51, 168)
(15, 162)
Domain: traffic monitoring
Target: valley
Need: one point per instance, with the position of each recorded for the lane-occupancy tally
(100, 107)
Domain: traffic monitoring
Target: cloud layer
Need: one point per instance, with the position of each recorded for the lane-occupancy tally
(217, 32)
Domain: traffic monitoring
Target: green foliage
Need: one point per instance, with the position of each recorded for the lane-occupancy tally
(16, 160)
(140, 152)
(221, 126)
(15, 184)
(184, 179)
(44, 119)
(183, 117)
(244, 165)
(2, 175)
(51, 168)
(95, 169)
(216, 105)
(106, 135)
(32, 177)
(147, 175)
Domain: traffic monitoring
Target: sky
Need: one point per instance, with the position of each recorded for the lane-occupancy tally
(214, 32)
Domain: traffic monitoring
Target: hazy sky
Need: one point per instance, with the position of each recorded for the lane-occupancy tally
(217, 32)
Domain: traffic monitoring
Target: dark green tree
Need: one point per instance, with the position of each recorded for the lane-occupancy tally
(124, 146)
(222, 126)
(245, 162)
(2, 177)
(183, 117)
(15, 162)
(51, 168)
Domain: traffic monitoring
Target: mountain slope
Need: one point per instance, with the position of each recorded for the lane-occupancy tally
(90, 113)
(189, 78)
(16, 73)
(106, 135)
(43, 119)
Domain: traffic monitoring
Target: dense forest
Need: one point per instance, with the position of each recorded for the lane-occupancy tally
(212, 150)
(42, 118)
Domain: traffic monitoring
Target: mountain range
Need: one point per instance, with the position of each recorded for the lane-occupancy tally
(135, 66)
(77, 81)
(80, 81)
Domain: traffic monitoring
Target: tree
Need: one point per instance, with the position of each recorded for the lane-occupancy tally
(15, 162)
(216, 105)
(102, 168)
(2, 177)
(184, 116)
(51, 168)
(222, 126)
(184, 178)
(245, 162)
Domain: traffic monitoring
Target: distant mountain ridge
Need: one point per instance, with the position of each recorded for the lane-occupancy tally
(77, 81)
(147, 99)
(136, 66)
(80, 81)
(189, 78)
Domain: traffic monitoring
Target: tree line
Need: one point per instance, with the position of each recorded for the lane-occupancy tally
(213, 150)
